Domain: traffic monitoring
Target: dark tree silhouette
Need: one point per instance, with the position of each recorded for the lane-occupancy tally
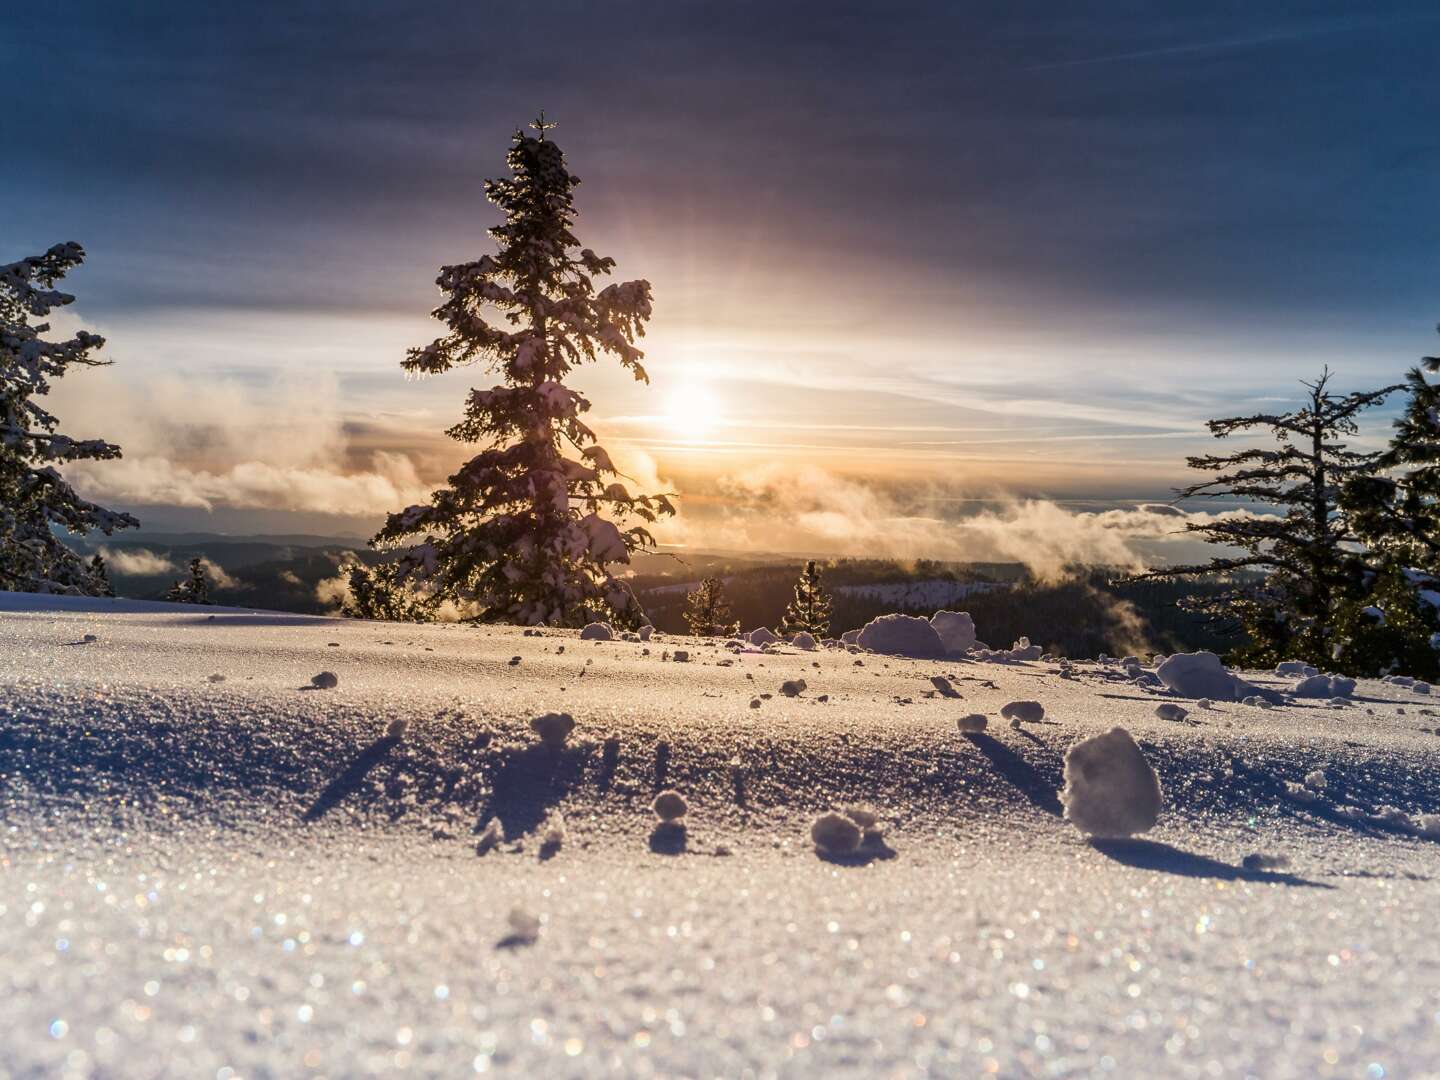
(192, 590)
(707, 612)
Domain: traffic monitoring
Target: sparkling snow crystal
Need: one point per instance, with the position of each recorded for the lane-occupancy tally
(1110, 789)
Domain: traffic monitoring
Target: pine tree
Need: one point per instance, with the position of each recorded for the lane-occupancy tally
(192, 590)
(520, 534)
(809, 612)
(374, 594)
(1299, 568)
(1396, 510)
(100, 577)
(34, 497)
(707, 611)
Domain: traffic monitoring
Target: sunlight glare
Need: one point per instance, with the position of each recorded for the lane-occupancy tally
(692, 411)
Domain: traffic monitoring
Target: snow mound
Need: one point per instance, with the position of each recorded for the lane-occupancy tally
(850, 637)
(804, 641)
(956, 630)
(1110, 789)
(762, 636)
(1324, 686)
(973, 724)
(597, 631)
(1027, 712)
(901, 635)
(1295, 668)
(1202, 675)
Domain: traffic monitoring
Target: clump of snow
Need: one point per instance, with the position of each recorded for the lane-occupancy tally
(901, 635)
(1110, 789)
(1261, 861)
(597, 631)
(1295, 668)
(852, 637)
(215, 678)
(1168, 710)
(1204, 703)
(792, 687)
(1324, 686)
(761, 636)
(644, 632)
(956, 630)
(396, 728)
(972, 724)
(1420, 687)
(1201, 674)
(803, 640)
(553, 728)
(1399, 680)
(864, 816)
(1257, 702)
(754, 703)
(943, 686)
(1315, 780)
(326, 680)
(1023, 650)
(89, 639)
(1026, 712)
(524, 927)
(553, 833)
(670, 806)
(680, 656)
(835, 834)
(491, 838)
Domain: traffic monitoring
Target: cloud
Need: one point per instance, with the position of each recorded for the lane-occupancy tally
(136, 562)
(218, 577)
(785, 508)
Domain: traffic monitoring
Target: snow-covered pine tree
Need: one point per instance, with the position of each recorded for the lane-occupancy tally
(810, 610)
(100, 576)
(1395, 511)
(192, 590)
(1304, 557)
(707, 611)
(374, 594)
(34, 497)
(521, 534)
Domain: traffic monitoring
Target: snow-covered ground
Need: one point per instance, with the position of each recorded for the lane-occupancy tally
(209, 868)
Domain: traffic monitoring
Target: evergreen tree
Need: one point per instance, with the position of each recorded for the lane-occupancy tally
(192, 590)
(707, 611)
(1396, 510)
(374, 594)
(34, 497)
(521, 533)
(810, 610)
(100, 577)
(1297, 569)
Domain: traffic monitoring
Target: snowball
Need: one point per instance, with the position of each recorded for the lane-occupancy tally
(835, 834)
(1296, 668)
(644, 632)
(597, 631)
(762, 636)
(326, 680)
(88, 638)
(804, 641)
(491, 838)
(1168, 710)
(754, 703)
(680, 656)
(1204, 703)
(943, 686)
(1110, 789)
(669, 806)
(1420, 687)
(901, 635)
(215, 678)
(972, 724)
(792, 687)
(851, 637)
(864, 816)
(396, 728)
(553, 728)
(956, 630)
(1315, 781)
(1027, 712)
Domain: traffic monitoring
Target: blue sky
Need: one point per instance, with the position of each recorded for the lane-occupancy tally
(957, 249)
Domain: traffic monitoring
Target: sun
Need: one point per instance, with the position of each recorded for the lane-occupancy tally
(692, 411)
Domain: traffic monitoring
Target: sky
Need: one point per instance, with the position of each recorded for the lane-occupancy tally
(908, 259)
